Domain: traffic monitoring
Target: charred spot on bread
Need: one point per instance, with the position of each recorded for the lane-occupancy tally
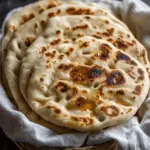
(115, 78)
(84, 44)
(51, 14)
(95, 72)
(61, 86)
(111, 111)
(79, 11)
(121, 44)
(138, 90)
(141, 73)
(122, 56)
(29, 40)
(81, 26)
(65, 67)
(83, 120)
(55, 41)
(104, 52)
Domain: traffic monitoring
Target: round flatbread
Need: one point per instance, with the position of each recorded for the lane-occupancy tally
(21, 16)
(74, 27)
(27, 33)
(86, 85)
(15, 21)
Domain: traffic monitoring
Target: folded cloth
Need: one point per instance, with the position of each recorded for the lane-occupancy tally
(134, 134)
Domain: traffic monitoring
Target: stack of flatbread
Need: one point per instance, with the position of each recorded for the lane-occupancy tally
(72, 65)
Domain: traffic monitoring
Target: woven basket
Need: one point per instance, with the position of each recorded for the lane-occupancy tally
(111, 145)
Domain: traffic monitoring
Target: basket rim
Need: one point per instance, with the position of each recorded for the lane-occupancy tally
(109, 145)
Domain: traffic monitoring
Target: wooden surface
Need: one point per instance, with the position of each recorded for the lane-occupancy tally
(111, 145)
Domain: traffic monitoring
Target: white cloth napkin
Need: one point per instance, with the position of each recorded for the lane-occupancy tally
(133, 135)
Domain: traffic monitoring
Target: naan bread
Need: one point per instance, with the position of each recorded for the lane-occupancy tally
(93, 86)
(85, 26)
(15, 52)
(39, 21)
(16, 20)
(19, 18)
(25, 49)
